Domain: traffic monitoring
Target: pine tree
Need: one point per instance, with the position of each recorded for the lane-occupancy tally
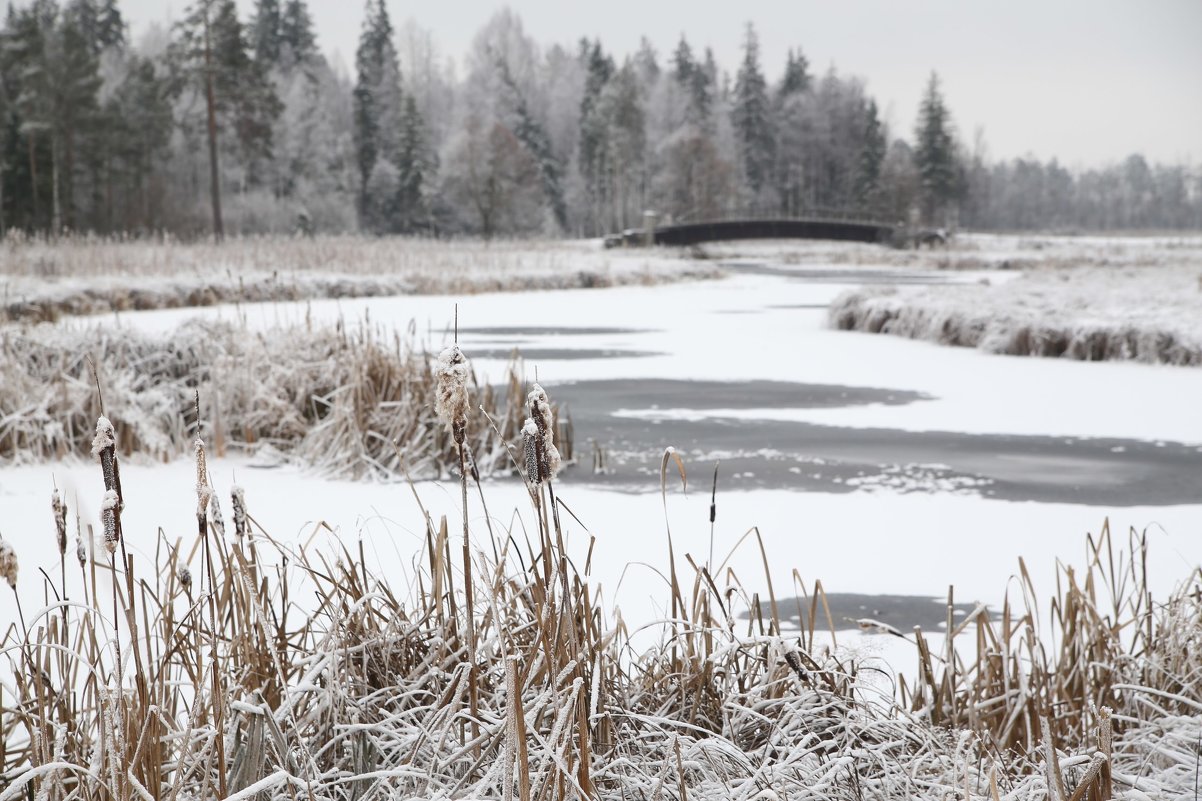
(751, 116)
(934, 155)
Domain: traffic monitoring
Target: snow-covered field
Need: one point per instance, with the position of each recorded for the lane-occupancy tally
(897, 468)
(40, 280)
(916, 538)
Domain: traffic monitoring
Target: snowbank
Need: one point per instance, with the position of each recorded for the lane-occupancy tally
(1151, 314)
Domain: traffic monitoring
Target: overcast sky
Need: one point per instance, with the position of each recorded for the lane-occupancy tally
(1087, 81)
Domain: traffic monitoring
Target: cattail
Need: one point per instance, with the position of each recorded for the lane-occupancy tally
(185, 578)
(215, 516)
(530, 448)
(8, 564)
(104, 448)
(450, 399)
(81, 553)
(203, 491)
(108, 519)
(545, 453)
(238, 501)
(60, 521)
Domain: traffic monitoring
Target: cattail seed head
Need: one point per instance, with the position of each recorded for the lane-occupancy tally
(215, 515)
(104, 448)
(108, 519)
(81, 553)
(60, 521)
(203, 492)
(185, 577)
(530, 451)
(8, 564)
(238, 501)
(451, 373)
(544, 422)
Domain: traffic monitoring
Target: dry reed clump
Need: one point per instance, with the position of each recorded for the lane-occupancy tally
(963, 317)
(350, 403)
(257, 670)
(42, 280)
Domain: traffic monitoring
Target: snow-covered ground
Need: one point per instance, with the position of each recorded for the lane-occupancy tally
(754, 325)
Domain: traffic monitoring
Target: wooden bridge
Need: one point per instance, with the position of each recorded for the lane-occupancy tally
(818, 224)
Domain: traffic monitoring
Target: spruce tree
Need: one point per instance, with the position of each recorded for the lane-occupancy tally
(413, 168)
(377, 106)
(751, 116)
(110, 26)
(796, 79)
(265, 32)
(872, 156)
(934, 154)
(298, 44)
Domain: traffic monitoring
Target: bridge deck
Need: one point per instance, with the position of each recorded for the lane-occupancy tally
(713, 231)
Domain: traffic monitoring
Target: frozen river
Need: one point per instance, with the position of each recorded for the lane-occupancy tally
(880, 465)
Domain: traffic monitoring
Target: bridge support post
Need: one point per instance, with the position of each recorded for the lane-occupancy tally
(649, 220)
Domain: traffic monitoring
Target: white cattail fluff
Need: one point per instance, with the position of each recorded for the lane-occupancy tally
(451, 372)
(81, 553)
(108, 519)
(540, 412)
(8, 564)
(105, 436)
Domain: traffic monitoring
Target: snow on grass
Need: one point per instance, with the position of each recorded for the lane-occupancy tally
(354, 403)
(43, 280)
(1147, 314)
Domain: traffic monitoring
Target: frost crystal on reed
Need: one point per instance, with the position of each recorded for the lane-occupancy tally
(450, 399)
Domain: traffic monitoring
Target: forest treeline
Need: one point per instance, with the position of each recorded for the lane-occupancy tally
(228, 125)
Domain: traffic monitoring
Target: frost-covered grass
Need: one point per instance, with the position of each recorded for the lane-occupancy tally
(968, 251)
(42, 279)
(232, 665)
(348, 401)
(1147, 314)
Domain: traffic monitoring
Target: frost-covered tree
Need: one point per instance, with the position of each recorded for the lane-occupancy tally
(872, 156)
(298, 45)
(751, 117)
(211, 59)
(264, 32)
(412, 208)
(935, 154)
(378, 111)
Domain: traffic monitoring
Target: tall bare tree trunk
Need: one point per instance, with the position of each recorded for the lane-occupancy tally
(56, 211)
(210, 102)
(33, 178)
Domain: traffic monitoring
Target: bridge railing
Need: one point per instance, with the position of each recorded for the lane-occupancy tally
(817, 213)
